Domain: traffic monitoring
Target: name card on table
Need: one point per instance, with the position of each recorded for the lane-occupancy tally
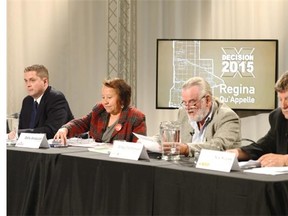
(128, 150)
(217, 160)
(32, 140)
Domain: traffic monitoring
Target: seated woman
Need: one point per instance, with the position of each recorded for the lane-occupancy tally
(112, 119)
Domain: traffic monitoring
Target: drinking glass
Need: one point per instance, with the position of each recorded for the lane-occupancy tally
(170, 139)
(13, 124)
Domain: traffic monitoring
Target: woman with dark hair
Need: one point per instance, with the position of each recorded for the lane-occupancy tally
(112, 119)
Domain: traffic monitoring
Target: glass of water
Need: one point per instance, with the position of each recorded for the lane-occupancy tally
(170, 139)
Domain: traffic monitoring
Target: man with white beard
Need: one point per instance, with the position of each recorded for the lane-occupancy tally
(205, 121)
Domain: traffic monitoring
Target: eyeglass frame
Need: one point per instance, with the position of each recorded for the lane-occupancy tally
(190, 103)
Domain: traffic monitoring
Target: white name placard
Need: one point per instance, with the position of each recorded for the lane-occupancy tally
(32, 140)
(217, 160)
(128, 150)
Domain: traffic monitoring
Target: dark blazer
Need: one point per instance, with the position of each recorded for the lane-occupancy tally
(275, 141)
(130, 120)
(53, 111)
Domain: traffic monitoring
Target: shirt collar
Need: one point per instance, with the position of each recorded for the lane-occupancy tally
(39, 99)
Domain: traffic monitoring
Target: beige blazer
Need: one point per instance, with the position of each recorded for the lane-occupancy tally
(222, 132)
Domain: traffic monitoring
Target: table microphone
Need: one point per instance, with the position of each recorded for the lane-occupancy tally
(192, 132)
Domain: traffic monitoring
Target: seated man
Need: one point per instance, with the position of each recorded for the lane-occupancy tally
(272, 149)
(205, 121)
(45, 109)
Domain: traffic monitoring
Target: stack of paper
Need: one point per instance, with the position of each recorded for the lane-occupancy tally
(104, 148)
(249, 164)
(269, 170)
(149, 142)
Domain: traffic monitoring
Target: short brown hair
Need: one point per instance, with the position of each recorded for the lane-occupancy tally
(41, 70)
(282, 83)
(122, 88)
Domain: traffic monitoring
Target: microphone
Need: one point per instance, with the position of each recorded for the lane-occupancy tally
(192, 132)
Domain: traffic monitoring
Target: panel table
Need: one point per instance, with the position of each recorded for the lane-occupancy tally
(28, 175)
(182, 190)
(89, 183)
(74, 181)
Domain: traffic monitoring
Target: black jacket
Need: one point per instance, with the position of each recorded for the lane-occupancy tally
(275, 141)
(53, 112)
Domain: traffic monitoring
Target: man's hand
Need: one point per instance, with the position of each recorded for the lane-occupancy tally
(273, 160)
(12, 135)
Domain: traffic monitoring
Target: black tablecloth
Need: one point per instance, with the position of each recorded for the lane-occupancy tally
(27, 181)
(78, 182)
(180, 191)
(95, 186)
(28, 176)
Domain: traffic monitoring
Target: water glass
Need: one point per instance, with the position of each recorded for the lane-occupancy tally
(13, 124)
(170, 139)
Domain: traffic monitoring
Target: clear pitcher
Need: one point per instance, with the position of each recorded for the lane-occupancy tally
(170, 138)
(12, 125)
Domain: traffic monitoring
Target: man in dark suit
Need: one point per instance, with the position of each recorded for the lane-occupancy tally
(272, 149)
(45, 109)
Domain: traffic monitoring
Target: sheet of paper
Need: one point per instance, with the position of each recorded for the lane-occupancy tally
(269, 170)
(149, 142)
(249, 164)
(86, 145)
(77, 142)
(105, 148)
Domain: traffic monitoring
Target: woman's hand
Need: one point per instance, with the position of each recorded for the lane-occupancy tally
(61, 135)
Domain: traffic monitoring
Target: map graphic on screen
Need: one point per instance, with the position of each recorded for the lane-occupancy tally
(242, 73)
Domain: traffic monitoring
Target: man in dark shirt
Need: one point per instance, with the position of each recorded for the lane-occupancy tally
(45, 109)
(272, 149)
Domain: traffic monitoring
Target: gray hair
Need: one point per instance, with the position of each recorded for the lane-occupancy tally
(204, 86)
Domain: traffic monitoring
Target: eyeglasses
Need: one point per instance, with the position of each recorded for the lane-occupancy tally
(191, 103)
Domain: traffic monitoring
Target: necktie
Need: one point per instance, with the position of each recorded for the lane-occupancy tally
(33, 114)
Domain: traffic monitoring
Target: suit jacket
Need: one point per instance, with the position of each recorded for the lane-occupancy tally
(276, 139)
(53, 111)
(223, 130)
(130, 120)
